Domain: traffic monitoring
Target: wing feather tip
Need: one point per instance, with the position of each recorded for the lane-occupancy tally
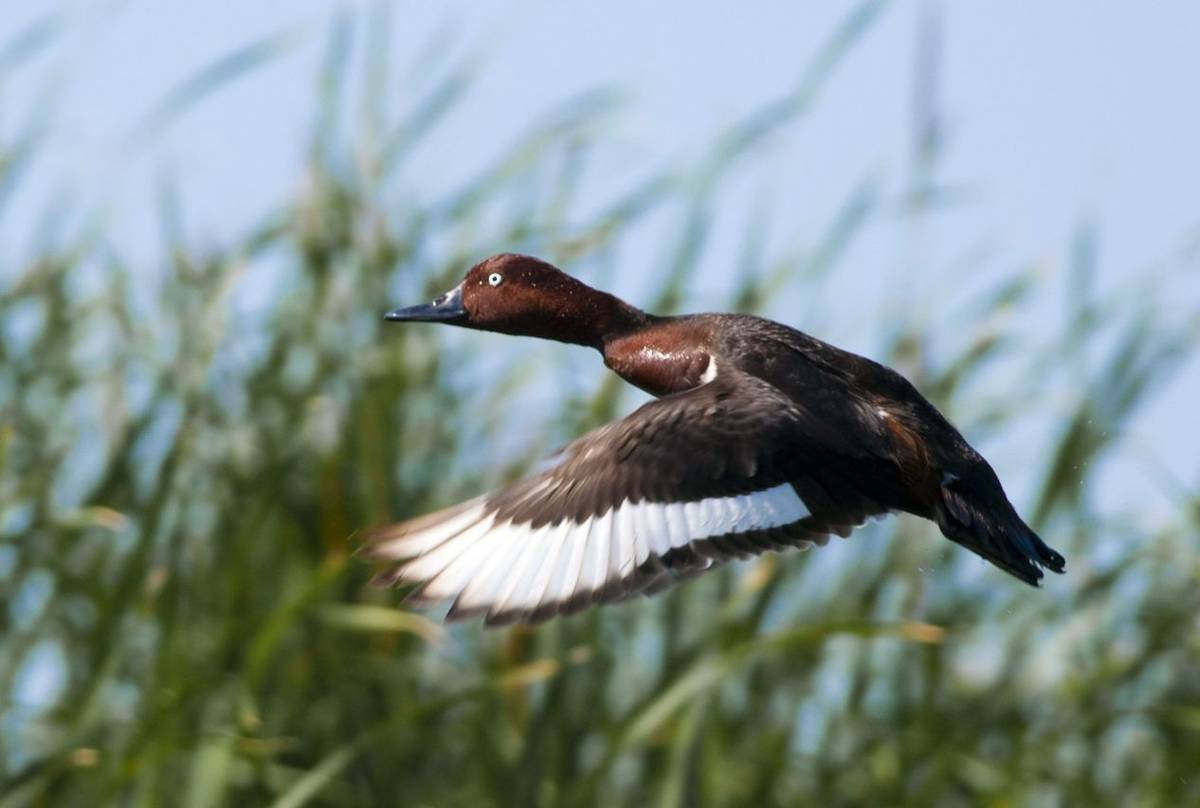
(385, 579)
(460, 612)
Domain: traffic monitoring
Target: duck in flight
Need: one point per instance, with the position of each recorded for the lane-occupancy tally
(761, 438)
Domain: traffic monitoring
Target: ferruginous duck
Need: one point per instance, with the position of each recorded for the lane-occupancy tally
(761, 438)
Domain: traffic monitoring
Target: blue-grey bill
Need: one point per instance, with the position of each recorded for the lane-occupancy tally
(445, 307)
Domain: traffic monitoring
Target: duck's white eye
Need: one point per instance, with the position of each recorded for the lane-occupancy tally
(495, 279)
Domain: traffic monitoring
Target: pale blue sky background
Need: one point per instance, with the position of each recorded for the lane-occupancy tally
(1055, 110)
(1054, 114)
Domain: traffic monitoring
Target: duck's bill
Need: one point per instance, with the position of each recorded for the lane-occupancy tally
(445, 307)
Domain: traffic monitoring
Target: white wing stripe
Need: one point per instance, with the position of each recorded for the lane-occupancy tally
(658, 532)
(422, 541)
(460, 571)
(620, 563)
(570, 563)
(602, 541)
(642, 530)
(529, 546)
(431, 563)
(481, 590)
(678, 524)
(506, 567)
(693, 513)
(556, 548)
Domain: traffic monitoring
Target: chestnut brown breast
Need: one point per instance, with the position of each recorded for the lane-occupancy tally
(665, 358)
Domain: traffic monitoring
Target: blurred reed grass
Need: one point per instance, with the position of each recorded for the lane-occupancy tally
(178, 480)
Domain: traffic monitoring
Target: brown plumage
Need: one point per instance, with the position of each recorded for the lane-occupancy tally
(762, 438)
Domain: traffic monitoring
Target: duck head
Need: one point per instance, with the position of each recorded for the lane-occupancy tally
(525, 296)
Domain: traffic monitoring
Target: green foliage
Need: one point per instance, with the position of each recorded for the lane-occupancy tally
(180, 471)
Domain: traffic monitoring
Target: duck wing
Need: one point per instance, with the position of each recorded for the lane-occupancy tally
(683, 484)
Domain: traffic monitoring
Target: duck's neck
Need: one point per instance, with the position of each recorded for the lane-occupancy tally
(617, 320)
(592, 318)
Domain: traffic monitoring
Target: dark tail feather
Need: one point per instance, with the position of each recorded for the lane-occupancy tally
(977, 515)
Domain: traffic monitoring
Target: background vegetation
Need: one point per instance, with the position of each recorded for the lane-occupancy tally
(180, 470)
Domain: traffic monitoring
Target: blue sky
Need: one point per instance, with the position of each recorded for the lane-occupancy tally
(1054, 114)
(1055, 110)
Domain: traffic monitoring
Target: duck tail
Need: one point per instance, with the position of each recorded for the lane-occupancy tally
(975, 513)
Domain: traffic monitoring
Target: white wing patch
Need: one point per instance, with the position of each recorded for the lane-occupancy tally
(508, 570)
